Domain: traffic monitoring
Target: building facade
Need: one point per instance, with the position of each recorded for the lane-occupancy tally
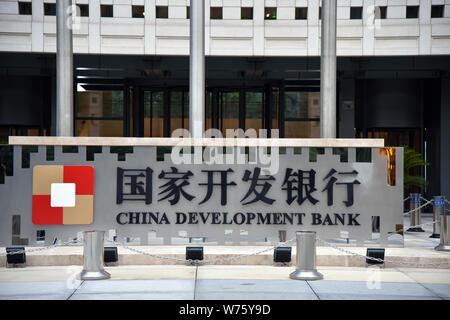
(131, 70)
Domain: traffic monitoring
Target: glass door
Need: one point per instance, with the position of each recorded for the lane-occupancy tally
(254, 110)
(153, 113)
(397, 137)
(100, 113)
(179, 110)
(302, 114)
(228, 110)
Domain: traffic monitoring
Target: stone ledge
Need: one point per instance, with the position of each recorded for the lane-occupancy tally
(206, 142)
(326, 256)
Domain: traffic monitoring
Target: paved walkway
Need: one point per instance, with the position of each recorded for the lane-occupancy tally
(256, 279)
(176, 282)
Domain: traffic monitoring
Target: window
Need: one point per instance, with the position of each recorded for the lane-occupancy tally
(381, 12)
(437, 11)
(25, 8)
(137, 11)
(100, 113)
(254, 110)
(40, 235)
(228, 111)
(188, 12)
(106, 10)
(162, 12)
(320, 13)
(412, 12)
(216, 13)
(270, 13)
(301, 13)
(84, 10)
(356, 13)
(179, 110)
(50, 9)
(154, 113)
(302, 114)
(246, 13)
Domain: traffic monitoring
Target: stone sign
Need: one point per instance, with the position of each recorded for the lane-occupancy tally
(247, 197)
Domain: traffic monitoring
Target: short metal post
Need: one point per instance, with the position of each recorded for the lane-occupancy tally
(438, 208)
(93, 256)
(414, 201)
(445, 229)
(306, 257)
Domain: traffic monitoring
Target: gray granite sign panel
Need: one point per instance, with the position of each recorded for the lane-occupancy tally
(165, 201)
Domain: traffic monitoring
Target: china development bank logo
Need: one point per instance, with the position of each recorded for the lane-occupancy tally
(63, 195)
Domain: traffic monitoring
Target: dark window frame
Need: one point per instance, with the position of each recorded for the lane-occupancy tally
(25, 8)
(246, 13)
(84, 9)
(301, 13)
(381, 12)
(412, 12)
(138, 11)
(49, 9)
(437, 11)
(216, 13)
(106, 11)
(162, 12)
(268, 13)
(356, 13)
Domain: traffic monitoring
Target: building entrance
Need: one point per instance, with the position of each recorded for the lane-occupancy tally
(159, 112)
(141, 111)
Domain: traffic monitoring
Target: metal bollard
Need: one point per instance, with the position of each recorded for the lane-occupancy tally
(306, 257)
(93, 252)
(445, 229)
(414, 201)
(438, 209)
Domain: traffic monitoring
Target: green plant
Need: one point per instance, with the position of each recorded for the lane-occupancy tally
(412, 159)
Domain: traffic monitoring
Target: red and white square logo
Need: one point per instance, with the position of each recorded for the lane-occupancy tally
(63, 195)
